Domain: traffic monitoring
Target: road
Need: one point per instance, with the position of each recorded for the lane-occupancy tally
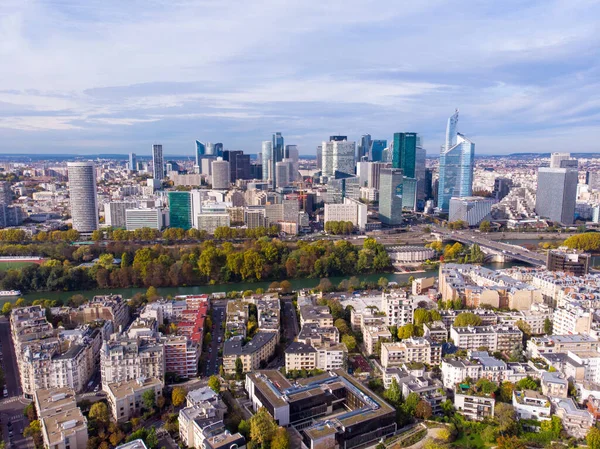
(8, 359)
(211, 361)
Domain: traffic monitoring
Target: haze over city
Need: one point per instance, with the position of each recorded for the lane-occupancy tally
(106, 77)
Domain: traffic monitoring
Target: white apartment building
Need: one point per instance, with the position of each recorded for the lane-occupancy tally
(415, 349)
(576, 422)
(555, 385)
(372, 334)
(476, 408)
(123, 360)
(530, 404)
(553, 344)
(494, 338)
(331, 356)
(152, 218)
(350, 210)
(398, 308)
(63, 425)
(125, 398)
(300, 356)
(572, 319)
(456, 371)
(319, 315)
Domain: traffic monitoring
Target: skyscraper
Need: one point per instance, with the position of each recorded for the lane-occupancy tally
(338, 156)
(83, 196)
(282, 173)
(390, 196)
(404, 153)
(556, 158)
(319, 157)
(364, 148)
(277, 156)
(267, 155)
(421, 156)
(132, 162)
(158, 168)
(377, 147)
(217, 149)
(556, 194)
(456, 166)
(221, 174)
(291, 153)
(180, 210)
(200, 151)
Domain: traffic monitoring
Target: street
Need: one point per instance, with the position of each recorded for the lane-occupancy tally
(211, 359)
(8, 359)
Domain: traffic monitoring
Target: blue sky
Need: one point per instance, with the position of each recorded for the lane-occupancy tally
(114, 76)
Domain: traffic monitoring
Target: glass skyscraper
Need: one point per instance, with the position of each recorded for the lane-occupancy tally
(158, 163)
(456, 166)
(180, 210)
(390, 196)
(132, 162)
(200, 151)
(267, 155)
(377, 147)
(364, 147)
(277, 156)
(404, 153)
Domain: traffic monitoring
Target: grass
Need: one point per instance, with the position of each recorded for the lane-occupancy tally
(470, 441)
(4, 266)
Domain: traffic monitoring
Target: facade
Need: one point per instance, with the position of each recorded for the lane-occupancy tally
(338, 155)
(410, 254)
(114, 213)
(415, 349)
(158, 163)
(476, 408)
(144, 218)
(132, 162)
(372, 334)
(210, 222)
(556, 194)
(455, 371)
(456, 166)
(181, 357)
(319, 315)
(573, 263)
(552, 344)
(377, 147)
(398, 308)
(390, 196)
(364, 147)
(267, 155)
(555, 385)
(180, 210)
(472, 210)
(576, 422)
(221, 174)
(125, 398)
(277, 156)
(494, 338)
(83, 196)
(124, 359)
(253, 354)
(300, 356)
(350, 210)
(62, 423)
(404, 153)
(282, 173)
(530, 404)
(557, 158)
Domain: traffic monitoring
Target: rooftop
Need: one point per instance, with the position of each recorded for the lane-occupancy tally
(299, 348)
(235, 347)
(62, 425)
(121, 390)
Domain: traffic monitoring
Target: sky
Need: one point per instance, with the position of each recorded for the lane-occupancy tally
(115, 76)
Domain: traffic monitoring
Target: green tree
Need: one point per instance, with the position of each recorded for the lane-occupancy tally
(593, 438)
(505, 416)
(382, 282)
(178, 396)
(485, 226)
(99, 412)
(527, 383)
(281, 439)
(509, 442)
(214, 384)
(262, 427)
(342, 326)
(152, 294)
(7, 308)
(149, 399)
(548, 326)
(486, 386)
(524, 327)
(350, 342)
(239, 368)
(393, 394)
(244, 428)
(554, 426)
(423, 410)
(467, 319)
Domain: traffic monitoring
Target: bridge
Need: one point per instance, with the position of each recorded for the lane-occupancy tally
(497, 251)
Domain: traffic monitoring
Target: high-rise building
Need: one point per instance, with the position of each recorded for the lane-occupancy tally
(404, 153)
(364, 148)
(390, 196)
(158, 162)
(472, 210)
(428, 184)
(114, 213)
(132, 162)
(374, 173)
(556, 194)
(282, 174)
(592, 179)
(267, 155)
(210, 149)
(377, 147)
(218, 149)
(501, 188)
(409, 193)
(291, 153)
(221, 174)
(239, 164)
(556, 158)
(180, 210)
(319, 157)
(6, 194)
(338, 156)
(420, 157)
(83, 197)
(200, 151)
(456, 166)
(277, 156)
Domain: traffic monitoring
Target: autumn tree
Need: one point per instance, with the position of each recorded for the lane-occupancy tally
(593, 438)
(262, 427)
(467, 319)
(423, 410)
(214, 384)
(350, 342)
(99, 412)
(281, 439)
(178, 396)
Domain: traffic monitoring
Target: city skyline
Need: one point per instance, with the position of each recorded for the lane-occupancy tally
(85, 80)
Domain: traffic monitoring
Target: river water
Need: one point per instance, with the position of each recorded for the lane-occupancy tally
(296, 285)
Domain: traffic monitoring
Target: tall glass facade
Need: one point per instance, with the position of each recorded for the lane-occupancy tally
(267, 154)
(277, 156)
(390, 196)
(180, 210)
(456, 172)
(377, 147)
(200, 151)
(404, 153)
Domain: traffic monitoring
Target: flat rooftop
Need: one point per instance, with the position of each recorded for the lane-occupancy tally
(123, 389)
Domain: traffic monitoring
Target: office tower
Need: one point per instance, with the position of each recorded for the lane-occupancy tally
(210, 149)
(277, 156)
(180, 210)
(291, 153)
(151, 217)
(319, 157)
(362, 171)
(267, 155)
(132, 162)
(386, 155)
(82, 193)
(242, 166)
(374, 173)
(200, 152)
(158, 162)
(6, 194)
(217, 149)
(420, 157)
(556, 194)
(338, 138)
(435, 190)
(364, 148)
(114, 213)
(569, 163)
(377, 147)
(282, 174)
(338, 156)
(221, 174)
(428, 184)
(556, 158)
(472, 210)
(592, 179)
(390, 196)
(404, 153)
(256, 171)
(456, 166)
(501, 188)
(409, 193)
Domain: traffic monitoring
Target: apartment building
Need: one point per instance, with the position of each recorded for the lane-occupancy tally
(571, 319)
(107, 307)
(268, 311)
(236, 319)
(494, 338)
(123, 359)
(576, 422)
(455, 371)
(555, 385)
(300, 356)
(415, 349)
(316, 315)
(314, 334)
(537, 346)
(203, 427)
(436, 331)
(62, 423)
(331, 356)
(181, 356)
(253, 354)
(530, 404)
(125, 398)
(475, 408)
(535, 318)
(372, 334)
(398, 308)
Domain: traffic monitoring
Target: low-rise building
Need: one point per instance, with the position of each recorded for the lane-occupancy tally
(372, 334)
(62, 423)
(415, 349)
(455, 371)
(125, 398)
(494, 338)
(313, 334)
(316, 315)
(436, 331)
(252, 354)
(555, 385)
(576, 422)
(530, 404)
(300, 356)
(537, 346)
(473, 407)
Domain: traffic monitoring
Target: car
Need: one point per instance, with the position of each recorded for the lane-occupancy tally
(210, 349)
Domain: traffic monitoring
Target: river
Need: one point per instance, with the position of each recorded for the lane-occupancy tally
(296, 285)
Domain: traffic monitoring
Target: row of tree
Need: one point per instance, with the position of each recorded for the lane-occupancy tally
(339, 227)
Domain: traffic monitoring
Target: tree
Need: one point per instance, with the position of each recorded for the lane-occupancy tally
(99, 412)
(149, 399)
(350, 342)
(486, 386)
(505, 416)
(325, 285)
(152, 294)
(506, 391)
(524, 327)
(593, 438)
(342, 326)
(34, 430)
(410, 404)
(393, 394)
(262, 427)
(485, 226)
(116, 437)
(214, 384)
(239, 368)
(281, 440)
(548, 326)
(244, 428)
(286, 286)
(382, 282)
(510, 442)
(423, 410)
(467, 319)
(527, 383)
(7, 308)
(178, 396)
(489, 434)
(554, 426)
(30, 412)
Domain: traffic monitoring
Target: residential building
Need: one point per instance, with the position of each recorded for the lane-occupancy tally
(576, 422)
(125, 398)
(158, 163)
(221, 174)
(573, 263)
(83, 196)
(455, 371)
(300, 356)
(314, 334)
(415, 349)
(555, 385)
(496, 338)
(62, 423)
(476, 408)
(253, 354)
(319, 315)
(209, 222)
(556, 194)
(182, 356)
(114, 213)
(350, 210)
(537, 346)
(397, 307)
(103, 307)
(571, 319)
(436, 331)
(331, 356)
(152, 218)
(372, 334)
(123, 359)
(530, 404)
